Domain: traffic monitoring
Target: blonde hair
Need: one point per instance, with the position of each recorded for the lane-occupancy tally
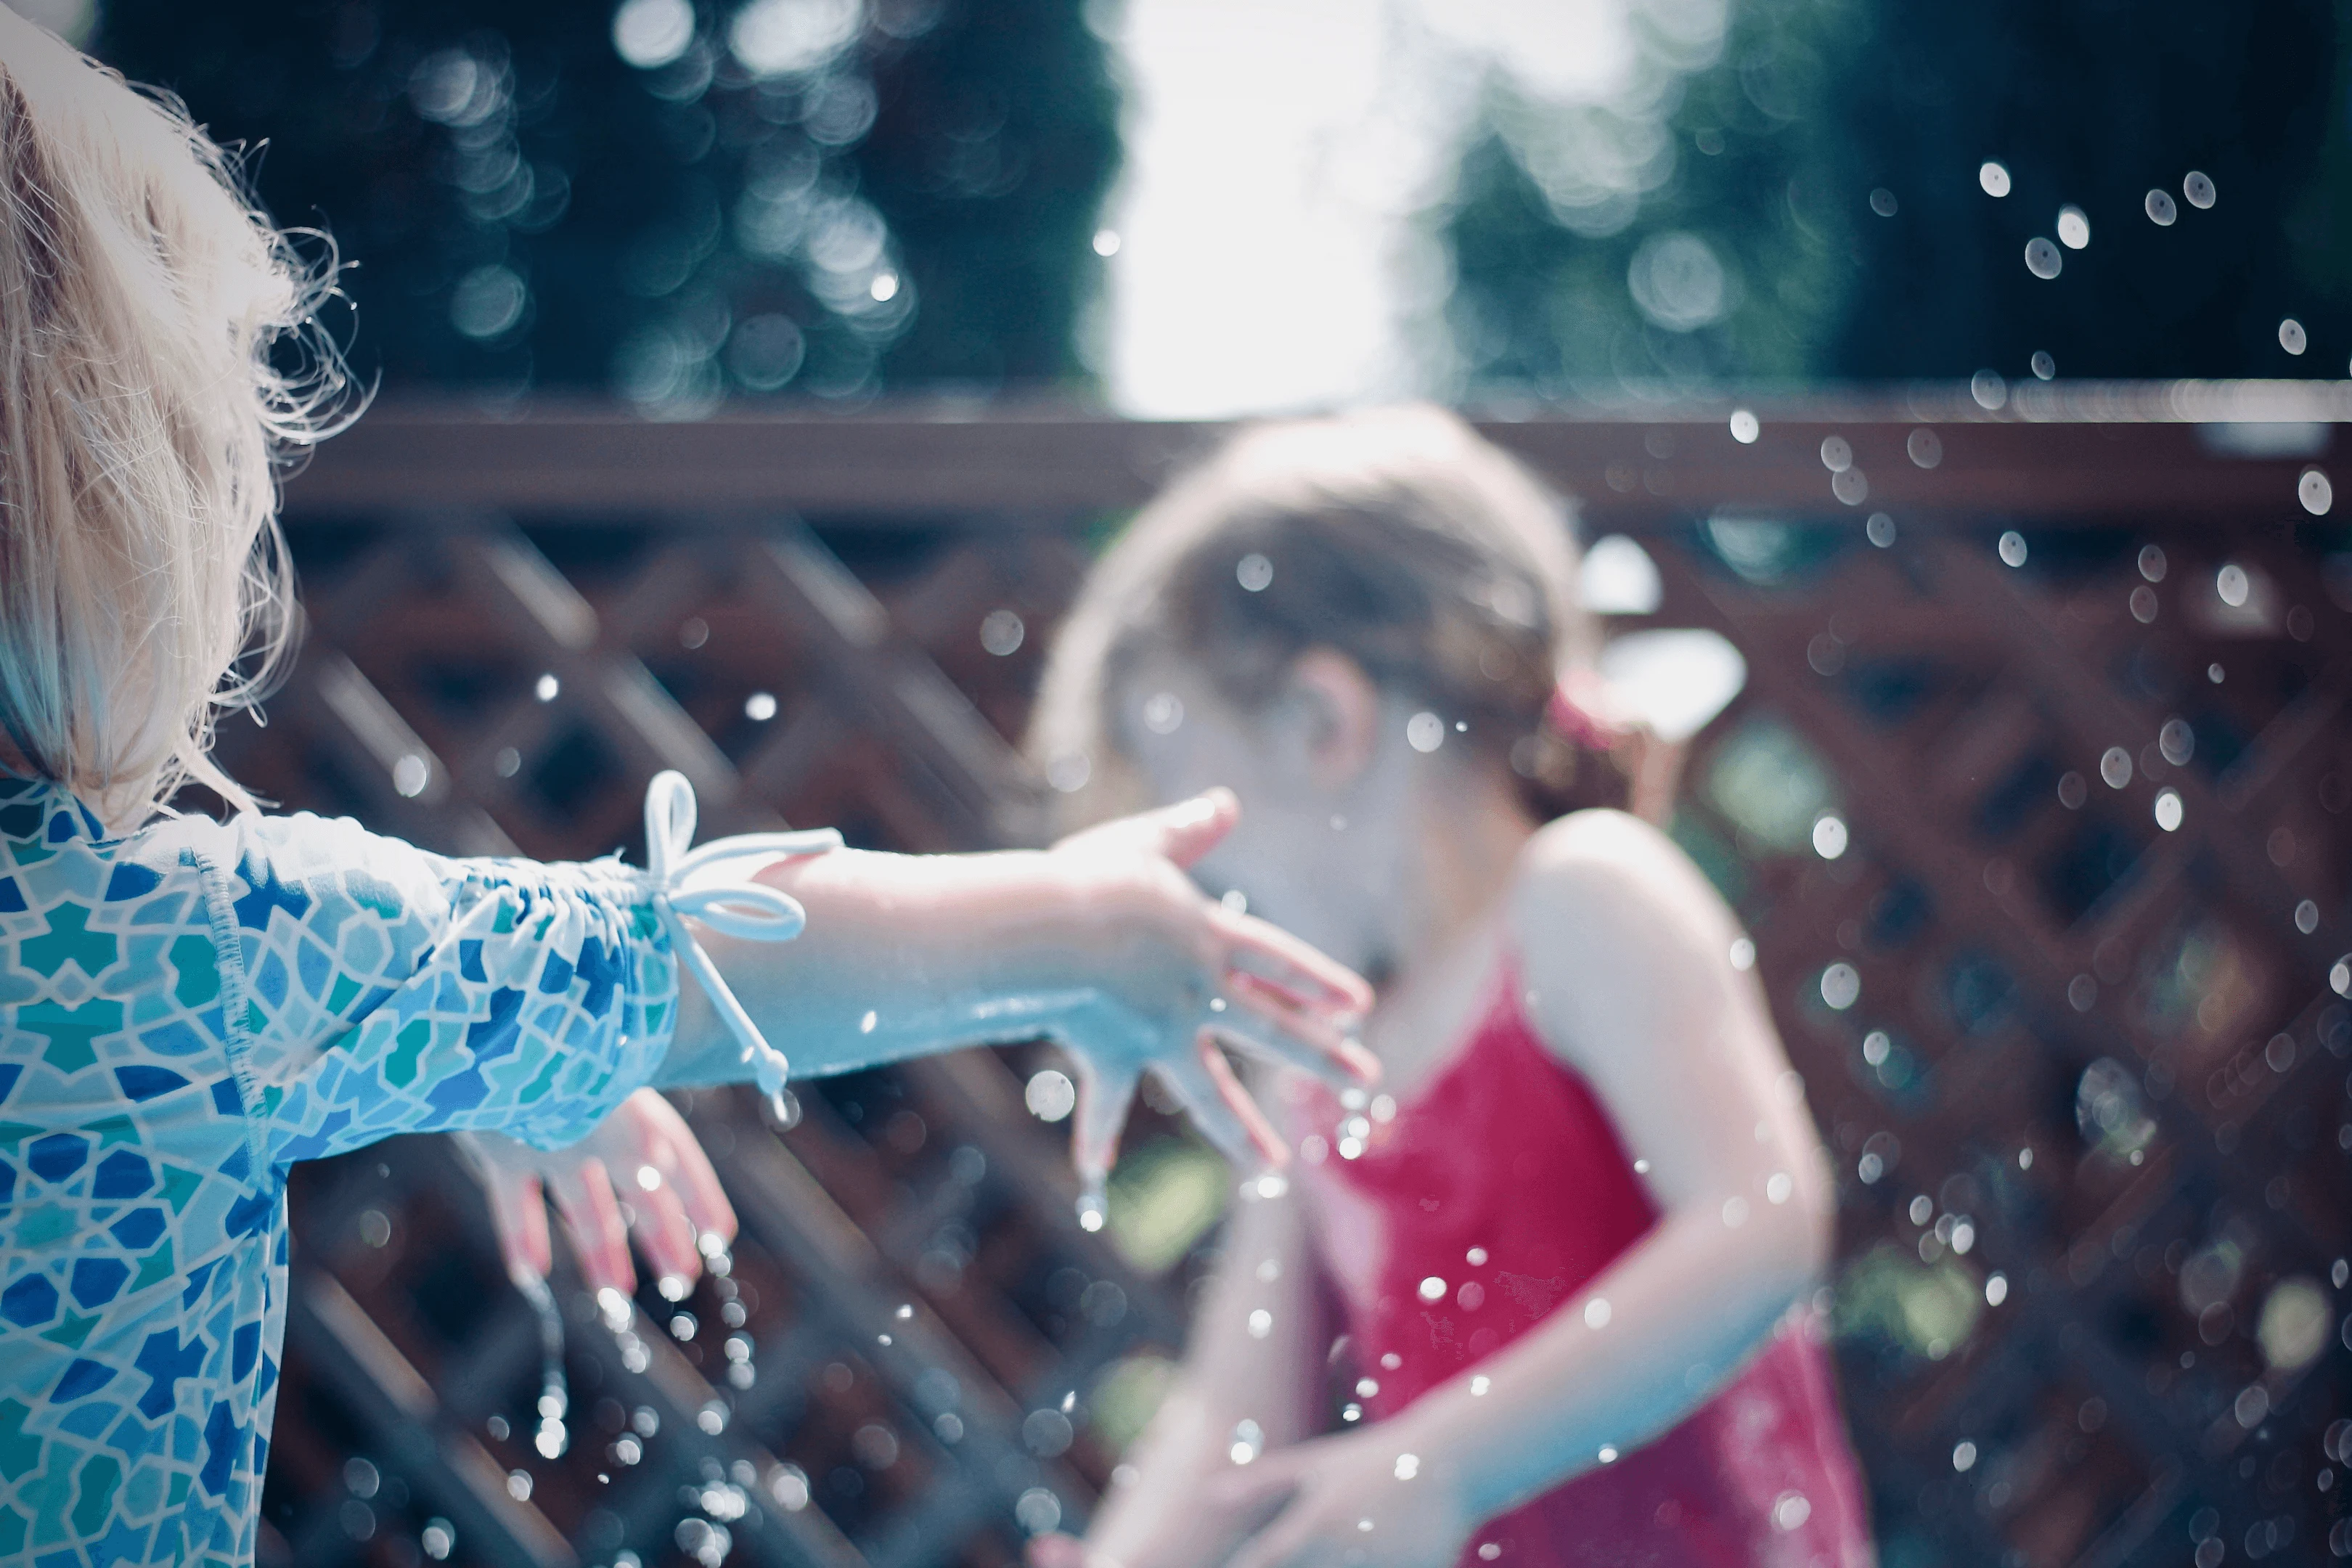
(160, 356)
(1398, 537)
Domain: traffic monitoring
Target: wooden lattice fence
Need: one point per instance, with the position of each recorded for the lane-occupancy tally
(2069, 681)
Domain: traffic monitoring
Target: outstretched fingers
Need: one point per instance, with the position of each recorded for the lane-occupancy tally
(1104, 1096)
(1220, 1108)
(1271, 1024)
(592, 1218)
(1277, 959)
(679, 1158)
(519, 1212)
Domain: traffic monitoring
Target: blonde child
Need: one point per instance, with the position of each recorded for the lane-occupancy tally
(187, 1007)
(1571, 1244)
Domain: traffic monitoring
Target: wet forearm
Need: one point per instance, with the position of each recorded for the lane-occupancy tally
(902, 955)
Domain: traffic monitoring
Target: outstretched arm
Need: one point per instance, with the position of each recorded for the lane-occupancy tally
(1625, 951)
(1102, 944)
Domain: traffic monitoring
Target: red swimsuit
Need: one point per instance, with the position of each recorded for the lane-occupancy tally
(1503, 1179)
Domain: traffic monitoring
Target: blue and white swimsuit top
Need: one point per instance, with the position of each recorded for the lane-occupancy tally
(185, 1013)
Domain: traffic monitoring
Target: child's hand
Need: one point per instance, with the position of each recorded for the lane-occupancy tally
(1183, 975)
(1328, 1489)
(644, 1153)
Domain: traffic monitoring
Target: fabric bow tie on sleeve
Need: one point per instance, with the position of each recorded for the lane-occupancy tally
(696, 883)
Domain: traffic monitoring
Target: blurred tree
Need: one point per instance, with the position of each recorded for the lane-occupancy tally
(678, 200)
(1815, 206)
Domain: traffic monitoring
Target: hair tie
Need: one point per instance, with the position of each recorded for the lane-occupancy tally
(1585, 709)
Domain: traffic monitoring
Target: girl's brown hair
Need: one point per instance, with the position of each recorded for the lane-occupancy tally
(1396, 537)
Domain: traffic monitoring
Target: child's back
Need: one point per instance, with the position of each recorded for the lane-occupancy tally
(189, 1011)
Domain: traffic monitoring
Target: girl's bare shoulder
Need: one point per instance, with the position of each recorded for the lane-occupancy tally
(1595, 872)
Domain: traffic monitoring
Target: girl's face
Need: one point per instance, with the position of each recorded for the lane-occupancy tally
(1324, 837)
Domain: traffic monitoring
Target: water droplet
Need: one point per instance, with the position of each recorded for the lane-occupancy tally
(1253, 572)
(2199, 188)
(1163, 713)
(1476, 1257)
(1608, 1454)
(1745, 428)
(1597, 1312)
(2307, 917)
(439, 1538)
(1790, 1510)
(2012, 548)
(410, 774)
(1039, 1511)
(1479, 1385)
(1407, 1467)
(1734, 1213)
(760, 707)
(1424, 732)
(1837, 453)
(1261, 1323)
(2168, 810)
(2074, 230)
(1050, 1095)
(1743, 954)
(1880, 529)
(1989, 389)
(2160, 210)
(2233, 585)
(2082, 993)
(2292, 336)
(1828, 837)
(1489, 1551)
(1964, 1457)
(2073, 792)
(2213, 673)
(1882, 202)
(1433, 1289)
(1996, 1289)
(2042, 258)
(1841, 986)
(1994, 178)
(1777, 1188)
(1094, 1207)
(2115, 767)
(1001, 633)
(546, 688)
(2044, 367)
(508, 762)
(1249, 1439)
(1924, 447)
(2315, 492)
(1852, 487)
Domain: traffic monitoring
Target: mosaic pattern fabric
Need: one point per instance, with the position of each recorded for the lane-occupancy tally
(183, 1013)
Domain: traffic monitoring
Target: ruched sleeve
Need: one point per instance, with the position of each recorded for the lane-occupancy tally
(387, 990)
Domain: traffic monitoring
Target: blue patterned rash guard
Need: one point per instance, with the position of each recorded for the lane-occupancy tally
(183, 1013)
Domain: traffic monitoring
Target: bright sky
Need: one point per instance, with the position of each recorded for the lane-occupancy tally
(1277, 150)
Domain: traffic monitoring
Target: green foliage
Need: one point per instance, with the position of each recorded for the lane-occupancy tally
(527, 210)
(1773, 151)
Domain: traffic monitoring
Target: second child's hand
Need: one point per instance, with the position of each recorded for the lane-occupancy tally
(642, 1155)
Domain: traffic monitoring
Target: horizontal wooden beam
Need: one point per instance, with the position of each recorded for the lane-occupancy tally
(2219, 452)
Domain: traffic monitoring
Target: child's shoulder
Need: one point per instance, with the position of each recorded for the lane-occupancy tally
(1599, 843)
(1604, 865)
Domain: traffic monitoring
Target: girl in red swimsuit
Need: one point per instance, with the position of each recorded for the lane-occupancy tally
(1571, 1244)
